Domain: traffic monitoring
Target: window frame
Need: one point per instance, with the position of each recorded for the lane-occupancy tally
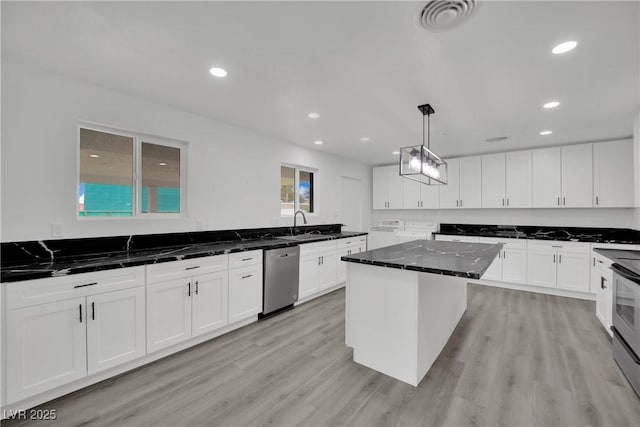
(138, 139)
(296, 189)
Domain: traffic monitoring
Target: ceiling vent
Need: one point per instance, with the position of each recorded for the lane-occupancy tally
(440, 15)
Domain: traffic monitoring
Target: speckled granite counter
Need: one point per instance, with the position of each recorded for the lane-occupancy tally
(39, 259)
(459, 259)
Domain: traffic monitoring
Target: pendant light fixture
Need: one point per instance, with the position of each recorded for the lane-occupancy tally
(418, 162)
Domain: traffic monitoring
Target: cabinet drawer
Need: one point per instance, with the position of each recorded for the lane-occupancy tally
(457, 238)
(314, 248)
(40, 291)
(243, 259)
(186, 268)
(508, 243)
(345, 243)
(558, 246)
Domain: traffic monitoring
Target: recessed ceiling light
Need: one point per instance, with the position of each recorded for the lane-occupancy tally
(218, 72)
(313, 115)
(95, 156)
(552, 104)
(564, 47)
(317, 142)
(162, 164)
(395, 153)
(365, 139)
(546, 132)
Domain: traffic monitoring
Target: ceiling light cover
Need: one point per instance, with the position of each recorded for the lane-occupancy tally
(313, 115)
(218, 72)
(365, 139)
(552, 104)
(564, 47)
(546, 132)
(95, 156)
(418, 162)
(395, 153)
(317, 142)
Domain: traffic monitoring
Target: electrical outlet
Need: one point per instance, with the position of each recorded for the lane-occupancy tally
(57, 230)
(199, 225)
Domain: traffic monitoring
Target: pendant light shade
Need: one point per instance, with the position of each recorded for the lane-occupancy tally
(418, 162)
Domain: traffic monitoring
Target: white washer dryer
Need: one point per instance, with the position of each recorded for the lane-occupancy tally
(415, 230)
(385, 234)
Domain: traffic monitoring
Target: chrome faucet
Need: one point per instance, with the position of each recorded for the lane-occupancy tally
(295, 216)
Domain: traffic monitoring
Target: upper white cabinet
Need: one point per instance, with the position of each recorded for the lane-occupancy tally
(577, 176)
(506, 180)
(420, 196)
(563, 177)
(464, 186)
(387, 187)
(547, 177)
(613, 174)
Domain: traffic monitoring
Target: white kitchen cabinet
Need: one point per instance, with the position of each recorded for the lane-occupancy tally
(209, 302)
(347, 247)
(541, 267)
(577, 176)
(518, 178)
(309, 283)
(327, 272)
(387, 187)
(602, 286)
(562, 265)
(245, 292)
(46, 347)
(168, 313)
(573, 271)
(115, 328)
(493, 181)
(514, 265)
(190, 304)
(613, 174)
(420, 196)
(494, 272)
(547, 177)
(464, 186)
(318, 268)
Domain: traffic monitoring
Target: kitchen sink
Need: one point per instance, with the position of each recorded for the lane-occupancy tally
(301, 237)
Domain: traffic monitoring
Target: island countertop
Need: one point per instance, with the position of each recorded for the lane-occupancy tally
(431, 256)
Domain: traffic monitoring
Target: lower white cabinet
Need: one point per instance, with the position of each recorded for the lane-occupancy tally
(347, 247)
(562, 265)
(115, 328)
(187, 306)
(245, 292)
(62, 329)
(46, 347)
(602, 286)
(511, 263)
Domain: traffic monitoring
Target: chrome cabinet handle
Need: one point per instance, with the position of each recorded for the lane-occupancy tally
(80, 308)
(249, 259)
(564, 201)
(560, 259)
(189, 289)
(93, 311)
(460, 202)
(84, 286)
(597, 200)
(558, 201)
(192, 268)
(457, 203)
(502, 202)
(247, 276)
(594, 261)
(554, 258)
(504, 254)
(197, 287)
(602, 280)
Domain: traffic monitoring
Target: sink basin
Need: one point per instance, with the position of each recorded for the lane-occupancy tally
(300, 237)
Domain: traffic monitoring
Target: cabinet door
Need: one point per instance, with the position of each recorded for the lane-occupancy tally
(115, 328)
(168, 313)
(327, 270)
(245, 292)
(471, 182)
(450, 193)
(613, 174)
(547, 177)
(429, 196)
(577, 176)
(380, 188)
(209, 302)
(514, 266)
(573, 271)
(541, 268)
(518, 179)
(341, 266)
(308, 284)
(493, 184)
(494, 272)
(601, 296)
(45, 347)
(411, 194)
(395, 197)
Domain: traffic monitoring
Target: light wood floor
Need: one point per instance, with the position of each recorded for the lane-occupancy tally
(516, 358)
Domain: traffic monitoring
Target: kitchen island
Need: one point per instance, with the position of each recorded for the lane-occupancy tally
(404, 301)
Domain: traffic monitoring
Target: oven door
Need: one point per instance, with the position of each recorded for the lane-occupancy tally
(626, 306)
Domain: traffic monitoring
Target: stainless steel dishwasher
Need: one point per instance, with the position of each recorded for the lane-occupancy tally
(281, 268)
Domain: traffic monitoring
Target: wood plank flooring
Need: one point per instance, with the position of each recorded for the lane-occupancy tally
(515, 359)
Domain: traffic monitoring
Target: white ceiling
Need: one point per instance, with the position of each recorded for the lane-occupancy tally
(364, 66)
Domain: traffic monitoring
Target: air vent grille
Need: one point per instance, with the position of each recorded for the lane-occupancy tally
(439, 15)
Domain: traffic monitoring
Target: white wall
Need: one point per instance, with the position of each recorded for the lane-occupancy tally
(617, 218)
(233, 174)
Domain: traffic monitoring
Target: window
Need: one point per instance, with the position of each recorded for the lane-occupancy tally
(297, 190)
(123, 174)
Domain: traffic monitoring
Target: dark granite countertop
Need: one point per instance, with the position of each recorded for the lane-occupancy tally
(630, 260)
(63, 258)
(430, 256)
(573, 234)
